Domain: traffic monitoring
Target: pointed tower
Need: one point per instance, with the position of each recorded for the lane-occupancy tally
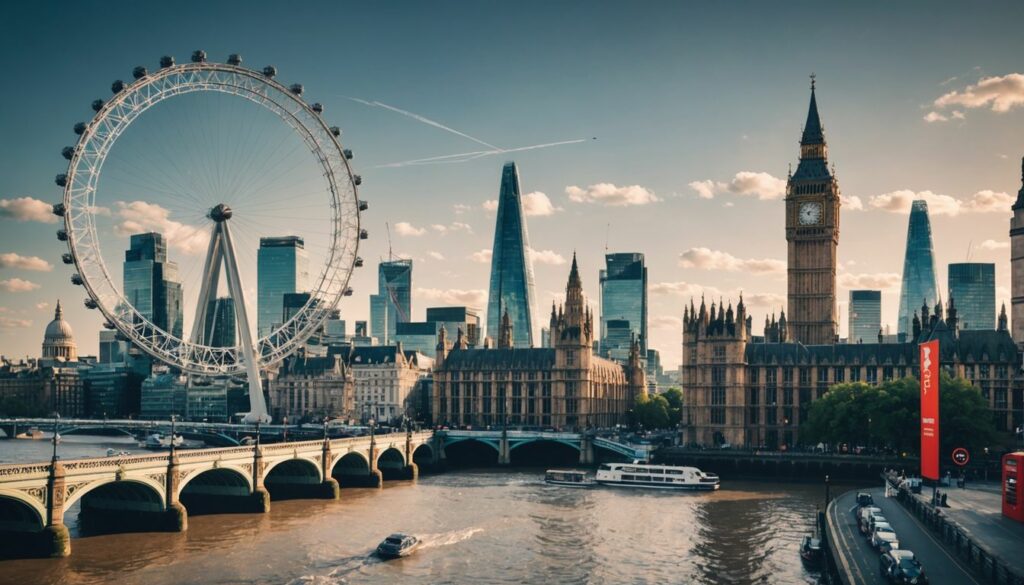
(812, 232)
(574, 344)
(918, 269)
(1017, 265)
(505, 330)
(511, 288)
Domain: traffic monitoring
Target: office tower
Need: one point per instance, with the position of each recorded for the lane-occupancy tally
(454, 318)
(112, 349)
(393, 302)
(151, 282)
(1017, 265)
(282, 267)
(865, 316)
(972, 287)
(918, 268)
(623, 304)
(511, 287)
(220, 323)
(812, 234)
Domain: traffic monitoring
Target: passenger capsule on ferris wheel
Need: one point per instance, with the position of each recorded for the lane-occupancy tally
(166, 61)
(348, 153)
(97, 105)
(61, 180)
(117, 87)
(318, 108)
(234, 59)
(270, 71)
(58, 209)
(199, 56)
(67, 152)
(139, 72)
(80, 128)
(296, 88)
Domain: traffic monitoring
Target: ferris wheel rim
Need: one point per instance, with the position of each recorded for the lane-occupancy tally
(84, 243)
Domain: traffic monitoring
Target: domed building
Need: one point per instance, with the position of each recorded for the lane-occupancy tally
(59, 340)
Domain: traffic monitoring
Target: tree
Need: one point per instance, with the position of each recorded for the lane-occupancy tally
(888, 415)
(674, 398)
(651, 412)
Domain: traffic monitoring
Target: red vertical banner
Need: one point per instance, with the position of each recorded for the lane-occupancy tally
(929, 360)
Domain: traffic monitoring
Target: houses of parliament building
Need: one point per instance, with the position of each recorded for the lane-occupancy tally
(749, 390)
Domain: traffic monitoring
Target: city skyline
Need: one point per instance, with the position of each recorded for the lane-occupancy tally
(678, 174)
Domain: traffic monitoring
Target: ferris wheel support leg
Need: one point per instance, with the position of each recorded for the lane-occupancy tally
(257, 405)
(208, 288)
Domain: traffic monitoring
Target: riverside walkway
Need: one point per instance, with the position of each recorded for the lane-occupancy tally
(857, 561)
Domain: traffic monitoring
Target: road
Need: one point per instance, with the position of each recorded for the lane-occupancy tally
(858, 562)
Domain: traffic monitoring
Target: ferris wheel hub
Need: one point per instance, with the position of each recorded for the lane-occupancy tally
(220, 213)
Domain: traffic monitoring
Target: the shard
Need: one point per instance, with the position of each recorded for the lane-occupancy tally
(511, 286)
(918, 267)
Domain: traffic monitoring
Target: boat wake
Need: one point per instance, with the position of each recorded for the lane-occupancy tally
(447, 538)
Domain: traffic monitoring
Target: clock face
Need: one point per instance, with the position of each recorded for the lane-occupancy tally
(810, 213)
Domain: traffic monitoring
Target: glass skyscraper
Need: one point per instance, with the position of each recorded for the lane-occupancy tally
(865, 316)
(972, 288)
(623, 304)
(393, 302)
(220, 323)
(151, 282)
(511, 287)
(918, 268)
(282, 267)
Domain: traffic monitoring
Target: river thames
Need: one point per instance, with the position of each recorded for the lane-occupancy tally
(479, 526)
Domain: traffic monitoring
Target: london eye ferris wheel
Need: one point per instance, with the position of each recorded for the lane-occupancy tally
(224, 159)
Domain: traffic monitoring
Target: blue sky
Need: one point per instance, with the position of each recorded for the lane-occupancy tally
(684, 99)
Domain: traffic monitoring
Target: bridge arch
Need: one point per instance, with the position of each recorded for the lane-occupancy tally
(19, 513)
(352, 470)
(391, 463)
(292, 478)
(147, 490)
(223, 476)
(543, 451)
(471, 452)
(423, 455)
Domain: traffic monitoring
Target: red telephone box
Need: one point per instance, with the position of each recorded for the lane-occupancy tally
(1013, 499)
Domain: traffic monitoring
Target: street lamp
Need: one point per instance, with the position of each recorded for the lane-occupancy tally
(325, 428)
(56, 425)
(173, 418)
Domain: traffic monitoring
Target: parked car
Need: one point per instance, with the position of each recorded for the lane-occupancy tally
(900, 566)
(865, 499)
(874, 520)
(862, 513)
(865, 522)
(887, 541)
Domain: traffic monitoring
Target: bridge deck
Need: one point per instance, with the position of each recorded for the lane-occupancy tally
(858, 562)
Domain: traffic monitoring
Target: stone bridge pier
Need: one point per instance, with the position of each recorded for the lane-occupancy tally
(156, 492)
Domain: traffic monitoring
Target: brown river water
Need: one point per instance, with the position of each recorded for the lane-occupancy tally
(479, 526)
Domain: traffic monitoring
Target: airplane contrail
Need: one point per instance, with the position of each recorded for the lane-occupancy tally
(451, 158)
(424, 119)
(468, 156)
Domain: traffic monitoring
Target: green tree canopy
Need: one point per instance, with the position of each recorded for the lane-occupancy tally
(888, 415)
(674, 398)
(651, 412)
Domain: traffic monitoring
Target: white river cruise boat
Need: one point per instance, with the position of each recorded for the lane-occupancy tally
(666, 477)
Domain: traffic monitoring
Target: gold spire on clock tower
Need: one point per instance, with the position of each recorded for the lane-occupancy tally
(812, 234)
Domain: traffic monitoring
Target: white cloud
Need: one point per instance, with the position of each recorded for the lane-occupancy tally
(993, 245)
(9, 323)
(683, 289)
(435, 255)
(877, 281)
(461, 208)
(764, 186)
(931, 117)
(705, 189)
(666, 322)
(404, 228)
(490, 205)
(27, 209)
(459, 226)
(851, 202)
(1000, 93)
(140, 217)
(12, 260)
(707, 259)
(42, 306)
(611, 195)
(985, 201)
(538, 204)
(476, 298)
(483, 256)
(17, 285)
(546, 257)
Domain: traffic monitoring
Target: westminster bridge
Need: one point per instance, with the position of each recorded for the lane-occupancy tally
(156, 492)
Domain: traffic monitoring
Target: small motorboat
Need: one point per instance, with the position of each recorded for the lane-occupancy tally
(158, 441)
(810, 549)
(122, 453)
(398, 545)
(569, 478)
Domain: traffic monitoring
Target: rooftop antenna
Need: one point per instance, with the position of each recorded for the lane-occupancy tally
(970, 244)
(387, 226)
(607, 231)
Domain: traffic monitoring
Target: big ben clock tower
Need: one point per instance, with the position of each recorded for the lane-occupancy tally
(812, 232)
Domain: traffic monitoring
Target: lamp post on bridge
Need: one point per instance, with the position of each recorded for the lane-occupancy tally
(56, 425)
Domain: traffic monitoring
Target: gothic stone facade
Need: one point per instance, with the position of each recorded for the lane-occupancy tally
(563, 386)
(756, 391)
